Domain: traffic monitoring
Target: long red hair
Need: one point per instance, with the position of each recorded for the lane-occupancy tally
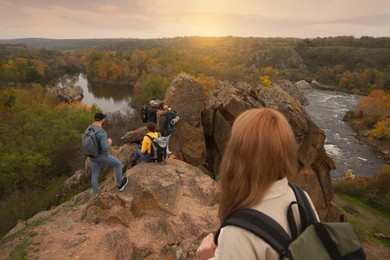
(261, 150)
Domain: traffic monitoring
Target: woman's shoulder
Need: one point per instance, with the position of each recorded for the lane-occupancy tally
(242, 244)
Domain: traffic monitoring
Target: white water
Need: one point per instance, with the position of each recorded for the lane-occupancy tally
(327, 109)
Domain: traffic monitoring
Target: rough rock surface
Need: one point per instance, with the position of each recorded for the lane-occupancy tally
(163, 213)
(293, 90)
(303, 86)
(69, 94)
(202, 143)
(231, 99)
(186, 96)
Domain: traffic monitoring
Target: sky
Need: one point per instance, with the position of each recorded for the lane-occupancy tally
(146, 19)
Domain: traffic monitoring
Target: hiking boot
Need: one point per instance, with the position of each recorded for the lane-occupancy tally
(133, 163)
(123, 184)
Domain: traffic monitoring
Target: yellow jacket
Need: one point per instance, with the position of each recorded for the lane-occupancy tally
(147, 143)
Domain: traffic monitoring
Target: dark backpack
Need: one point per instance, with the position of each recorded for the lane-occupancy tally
(172, 120)
(158, 152)
(335, 240)
(90, 143)
(144, 114)
(151, 115)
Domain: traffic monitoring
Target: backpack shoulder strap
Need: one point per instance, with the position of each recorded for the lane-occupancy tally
(90, 128)
(303, 200)
(261, 225)
(151, 138)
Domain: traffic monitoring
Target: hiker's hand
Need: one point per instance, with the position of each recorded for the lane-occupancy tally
(207, 248)
(109, 141)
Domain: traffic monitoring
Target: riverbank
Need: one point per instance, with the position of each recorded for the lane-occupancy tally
(369, 224)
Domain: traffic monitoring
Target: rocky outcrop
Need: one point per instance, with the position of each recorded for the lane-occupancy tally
(201, 136)
(231, 99)
(303, 86)
(134, 136)
(167, 209)
(293, 90)
(160, 189)
(69, 94)
(186, 96)
(163, 213)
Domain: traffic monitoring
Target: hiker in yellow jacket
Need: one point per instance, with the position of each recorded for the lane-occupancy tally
(146, 145)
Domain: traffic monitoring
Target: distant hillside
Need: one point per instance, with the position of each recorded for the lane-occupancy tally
(345, 63)
(123, 44)
(82, 44)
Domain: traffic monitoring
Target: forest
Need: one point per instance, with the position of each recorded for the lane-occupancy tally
(40, 135)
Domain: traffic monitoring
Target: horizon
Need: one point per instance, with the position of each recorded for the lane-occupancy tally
(186, 36)
(157, 19)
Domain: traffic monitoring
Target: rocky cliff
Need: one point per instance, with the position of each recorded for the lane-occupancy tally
(167, 209)
(202, 143)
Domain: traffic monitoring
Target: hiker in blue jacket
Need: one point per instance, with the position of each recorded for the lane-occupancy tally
(104, 157)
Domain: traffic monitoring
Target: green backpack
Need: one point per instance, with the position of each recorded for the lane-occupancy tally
(333, 240)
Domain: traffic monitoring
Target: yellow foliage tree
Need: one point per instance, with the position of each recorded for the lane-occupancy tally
(265, 81)
(382, 129)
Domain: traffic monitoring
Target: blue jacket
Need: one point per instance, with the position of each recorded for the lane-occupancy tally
(102, 137)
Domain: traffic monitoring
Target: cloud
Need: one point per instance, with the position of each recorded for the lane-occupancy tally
(170, 18)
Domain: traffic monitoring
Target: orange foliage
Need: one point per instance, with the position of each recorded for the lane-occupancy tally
(39, 66)
(119, 70)
(21, 60)
(208, 83)
(377, 102)
(104, 68)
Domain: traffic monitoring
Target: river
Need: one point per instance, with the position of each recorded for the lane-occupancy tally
(327, 109)
(109, 98)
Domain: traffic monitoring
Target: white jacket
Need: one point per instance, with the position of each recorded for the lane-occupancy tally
(237, 243)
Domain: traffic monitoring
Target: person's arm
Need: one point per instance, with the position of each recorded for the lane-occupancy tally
(145, 144)
(206, 249)
(105, 142)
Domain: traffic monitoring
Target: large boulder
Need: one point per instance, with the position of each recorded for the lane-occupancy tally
(174, 205)
(303, 86)
(293, 90)
(231, 99)
(70, 93)
(186, 96)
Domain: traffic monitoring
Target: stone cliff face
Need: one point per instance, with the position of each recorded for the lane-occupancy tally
(208, 139)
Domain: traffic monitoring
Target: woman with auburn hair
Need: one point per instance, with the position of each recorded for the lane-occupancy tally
(260, 155)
